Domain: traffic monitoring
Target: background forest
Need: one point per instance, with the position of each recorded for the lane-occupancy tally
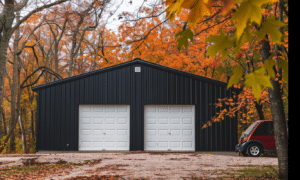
(73, 37)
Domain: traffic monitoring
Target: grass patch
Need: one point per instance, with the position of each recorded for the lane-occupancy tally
(253, 171)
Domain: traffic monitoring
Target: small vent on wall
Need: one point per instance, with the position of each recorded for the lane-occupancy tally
(137, 69)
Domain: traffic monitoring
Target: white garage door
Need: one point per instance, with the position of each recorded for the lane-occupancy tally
(169, 128)
(104, 127)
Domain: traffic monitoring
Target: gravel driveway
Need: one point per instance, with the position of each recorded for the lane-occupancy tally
(141, 165)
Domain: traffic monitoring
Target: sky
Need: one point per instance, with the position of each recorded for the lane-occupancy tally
(114, 22)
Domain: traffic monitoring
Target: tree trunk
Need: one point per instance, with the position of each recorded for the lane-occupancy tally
(280, 129)
(4, 39)
(14, 88)
(23, 133)
(259, 110)
(5, 34)
(2, 128)
(3, 122)
(72, 55)
(32, 126)
(56, 58)
(19, 111)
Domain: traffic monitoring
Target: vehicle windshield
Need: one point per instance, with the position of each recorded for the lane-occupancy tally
(250, 128)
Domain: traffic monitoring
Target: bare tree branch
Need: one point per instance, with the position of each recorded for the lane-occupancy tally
(44, 69)
(35, 11)
(143, 39)
(20, 5)
(24, 42)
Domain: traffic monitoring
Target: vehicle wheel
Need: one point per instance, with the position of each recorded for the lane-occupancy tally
(244, 154)
(254, 150)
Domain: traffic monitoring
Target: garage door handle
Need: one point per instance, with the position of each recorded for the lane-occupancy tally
(170, 133)
(104, 133)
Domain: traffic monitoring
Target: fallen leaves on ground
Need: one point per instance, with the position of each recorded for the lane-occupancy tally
(33, 172)
(96, 177)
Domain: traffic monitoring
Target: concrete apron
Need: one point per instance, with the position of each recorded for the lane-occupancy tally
(227, 153)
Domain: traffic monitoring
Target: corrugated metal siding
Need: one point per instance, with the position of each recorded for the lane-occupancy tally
(58, 105)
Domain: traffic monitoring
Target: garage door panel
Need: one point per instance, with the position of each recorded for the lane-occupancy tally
(175, 144)
(163, 144)
(110, 109)
(169, 127)
(110, 132)
(97, 120)
(110, 120)
(150, 109)
(187, 144)
(163, 120)
(151, 144)
(110, 144)
(86, 132)
(122, 120)
(104, 127)
(187, 109)
(187, 132)
(163, 109)
(86, 109)
(86, 143)
(98, 132)
(163, 132)
(122, 132)
(151, 120)
(122, 144)
(86, 120)
(122, 109)
(175, 109)
(150, 132)
(175, 132)
(187, 120)
(174, 120)
(171, 145)
(98, 144)
(98, 109)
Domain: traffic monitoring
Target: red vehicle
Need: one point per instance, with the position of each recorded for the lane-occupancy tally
(258, 138)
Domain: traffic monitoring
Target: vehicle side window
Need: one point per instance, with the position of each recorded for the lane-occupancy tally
(271, 128)
(262, 130)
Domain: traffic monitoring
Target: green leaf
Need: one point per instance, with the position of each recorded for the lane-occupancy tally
(220, 43)
(184, 36)
(268, 65)
(246, 37)
(249, 11)
(256, 81)
(235, 78)
(270, 26)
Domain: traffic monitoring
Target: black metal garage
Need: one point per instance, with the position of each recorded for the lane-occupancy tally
(136, 83)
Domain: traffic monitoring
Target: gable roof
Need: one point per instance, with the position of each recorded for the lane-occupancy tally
(128, 63)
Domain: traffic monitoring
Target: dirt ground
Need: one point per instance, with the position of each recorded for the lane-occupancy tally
(135, 165)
